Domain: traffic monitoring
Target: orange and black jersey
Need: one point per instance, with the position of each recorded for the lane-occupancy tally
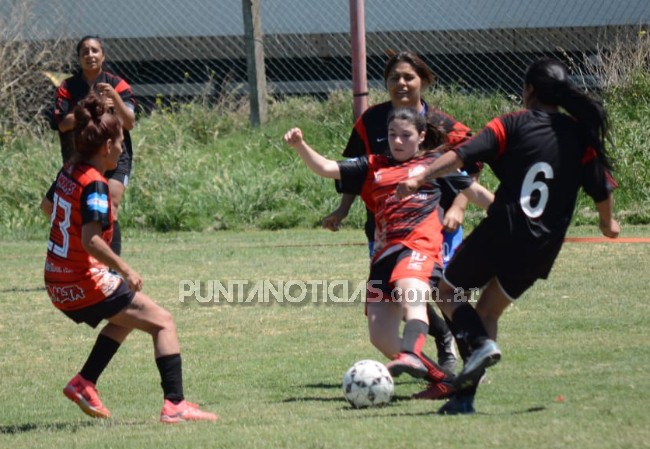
(73, 278)
(75, 88)
(541, 160)
(370, 132)
(415, 221)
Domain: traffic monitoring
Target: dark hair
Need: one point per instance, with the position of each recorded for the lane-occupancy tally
(553, 86)
(94, 125)
(423, 71)
(87, 38)
(435, 137)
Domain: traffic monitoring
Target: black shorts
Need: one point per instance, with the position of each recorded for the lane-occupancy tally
(492, 251)
(122, 172)
(112, 305)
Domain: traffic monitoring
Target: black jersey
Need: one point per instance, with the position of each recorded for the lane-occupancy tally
(73, 90)
(370, 132)
(541, 160)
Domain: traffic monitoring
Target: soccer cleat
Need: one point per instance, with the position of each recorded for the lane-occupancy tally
(184, 411)
(405, 362)
(436, 390)
(458, 405)
(486, 355)
(447, 357)
(83, 393)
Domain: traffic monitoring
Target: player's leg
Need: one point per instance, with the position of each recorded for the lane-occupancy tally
(384, 319)
(81, 388)
(413, 295)
(144, 314)
(490, 306)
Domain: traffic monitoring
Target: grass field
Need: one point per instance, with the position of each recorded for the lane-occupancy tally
(273, 372)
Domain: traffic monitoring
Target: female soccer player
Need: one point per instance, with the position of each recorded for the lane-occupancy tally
(407, 77)
(406, 262)
(79, 256)
(118, 98)
(542, 156)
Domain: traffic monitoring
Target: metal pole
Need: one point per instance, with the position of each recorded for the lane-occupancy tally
(359, 74)
(255, 61)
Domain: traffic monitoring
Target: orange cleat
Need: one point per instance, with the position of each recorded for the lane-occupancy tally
(84, 393)
(184, 411)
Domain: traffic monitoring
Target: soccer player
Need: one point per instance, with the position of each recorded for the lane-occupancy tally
(406, 262)
(406, 77)
(542, 156)
(79, 256)
(119, 99)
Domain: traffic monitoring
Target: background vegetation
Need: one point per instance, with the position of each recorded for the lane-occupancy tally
(200, 166)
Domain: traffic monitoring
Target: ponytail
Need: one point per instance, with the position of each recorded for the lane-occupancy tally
(553, 86)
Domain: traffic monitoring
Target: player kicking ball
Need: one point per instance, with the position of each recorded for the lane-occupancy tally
(406, 263)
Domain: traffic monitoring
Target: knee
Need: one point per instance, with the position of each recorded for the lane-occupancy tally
(166, 319)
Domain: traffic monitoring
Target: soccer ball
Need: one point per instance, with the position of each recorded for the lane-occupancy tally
(368, 384)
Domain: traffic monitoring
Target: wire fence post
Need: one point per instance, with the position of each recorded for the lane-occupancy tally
(359, 74)
(253, 40)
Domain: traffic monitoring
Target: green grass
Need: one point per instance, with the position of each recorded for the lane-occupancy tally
(273, 372)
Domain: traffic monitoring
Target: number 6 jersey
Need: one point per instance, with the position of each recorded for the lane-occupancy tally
(541, 160)
(73, 278)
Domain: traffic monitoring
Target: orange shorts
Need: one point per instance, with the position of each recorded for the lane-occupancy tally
(401, 264)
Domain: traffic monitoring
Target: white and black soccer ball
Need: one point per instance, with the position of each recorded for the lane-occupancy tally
(368, 384)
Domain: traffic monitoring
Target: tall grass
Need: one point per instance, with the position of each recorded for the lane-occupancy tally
(202, 167)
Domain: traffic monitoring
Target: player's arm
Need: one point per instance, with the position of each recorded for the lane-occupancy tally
(47, 203)
(445, 164)
(479, 195)
(333, 220)
(94, 244)
(123, 110)
(317, 163)
(606, 222)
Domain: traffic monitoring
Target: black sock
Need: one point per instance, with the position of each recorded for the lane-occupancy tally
(99, 358)
(469, 326)
(414, 337)
(437, 326)
(116, 243)
(171, 377)
(463, 349)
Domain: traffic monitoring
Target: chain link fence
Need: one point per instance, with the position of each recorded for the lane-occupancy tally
(180, 50)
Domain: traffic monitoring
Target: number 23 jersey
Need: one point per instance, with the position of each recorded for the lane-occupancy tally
(73, 278)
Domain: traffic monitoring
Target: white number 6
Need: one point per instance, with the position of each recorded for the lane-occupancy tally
(530, 186)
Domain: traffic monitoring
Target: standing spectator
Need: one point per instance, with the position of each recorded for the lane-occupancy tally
(119, 100)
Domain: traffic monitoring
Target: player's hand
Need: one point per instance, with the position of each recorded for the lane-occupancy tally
(333, 220)
(133, 280)
(407, 187)
(293, 137)
(453, 219)
(108, 94)
(610, 228)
